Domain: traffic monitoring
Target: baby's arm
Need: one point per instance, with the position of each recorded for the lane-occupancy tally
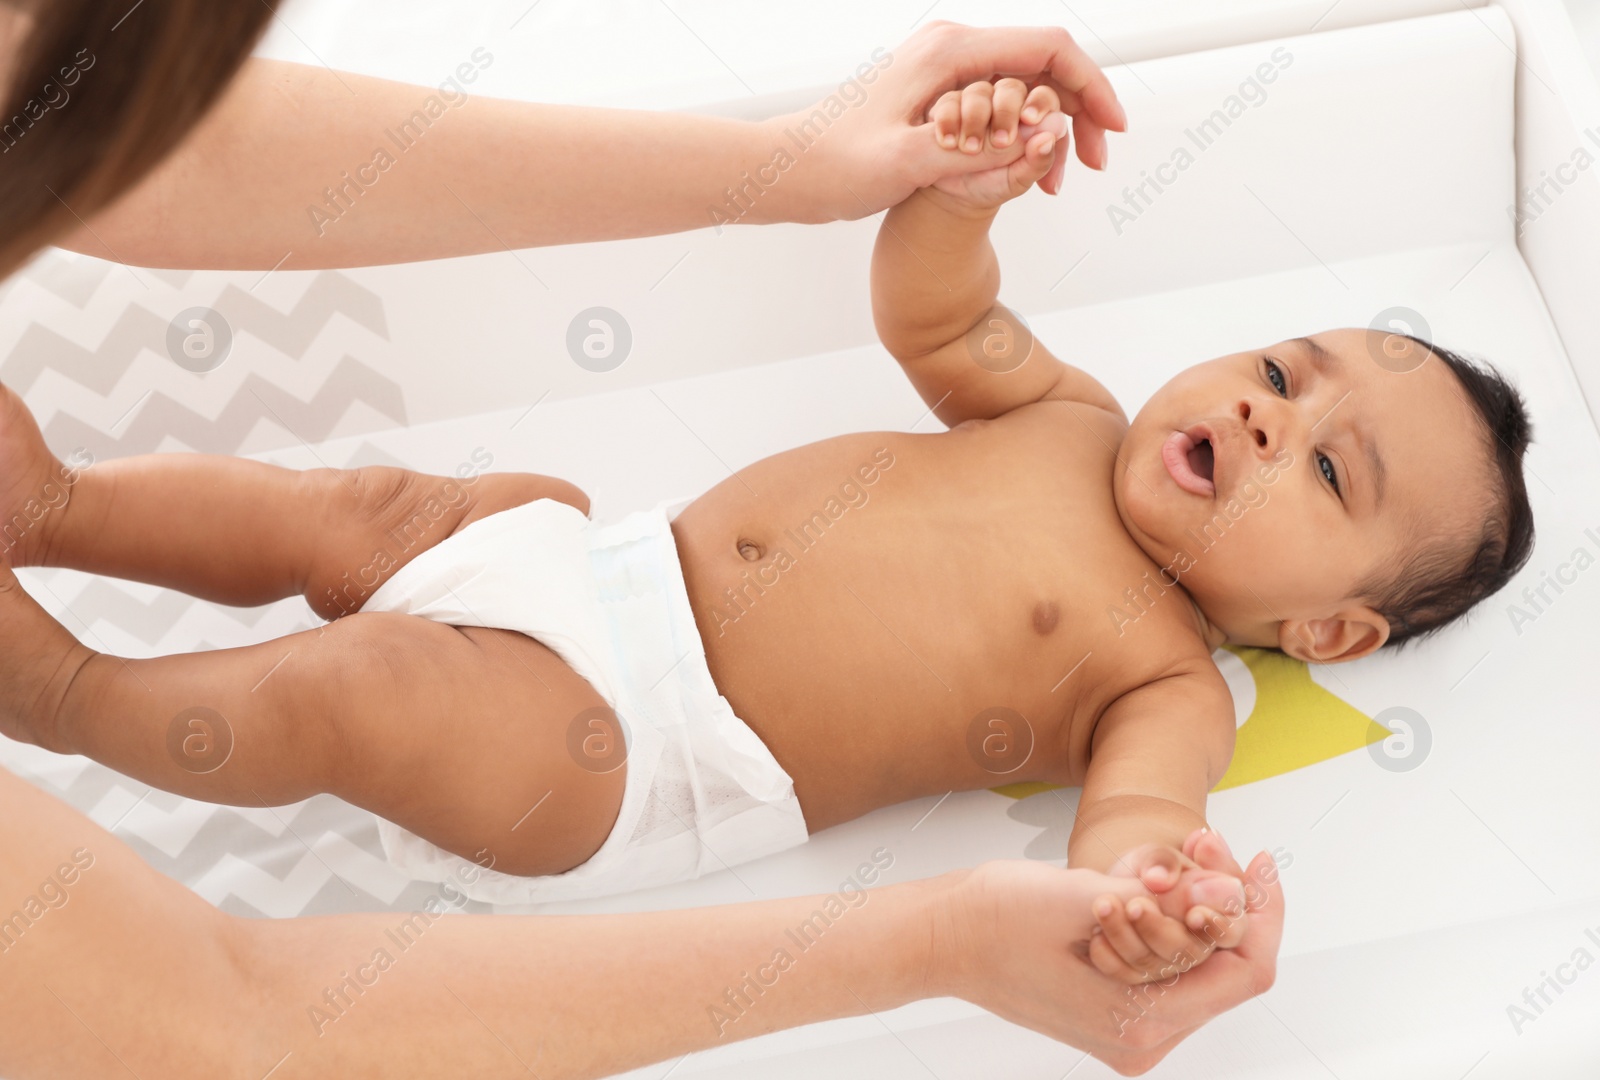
(1156, 751)
(935, 279)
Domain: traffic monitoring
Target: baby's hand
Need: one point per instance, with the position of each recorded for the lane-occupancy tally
(989, 118)
(1192, 913)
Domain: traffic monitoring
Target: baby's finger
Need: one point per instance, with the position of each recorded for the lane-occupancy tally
(1116, 927)
(1158, 866)
(1170, 940)
(976, 107)
(1008, 97)
(946, 119)
(1223, 929)
(1041, 101)
(1108, 963)
(1040, 151)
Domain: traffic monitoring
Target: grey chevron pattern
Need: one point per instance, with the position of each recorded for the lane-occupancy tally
(139, 329)
(77, 280)
(160, 417)
(102, 600)
(41, 348)
(74, 280)
(367, 454)
(330, 293)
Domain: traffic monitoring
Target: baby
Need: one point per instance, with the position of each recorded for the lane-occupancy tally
(547, 708)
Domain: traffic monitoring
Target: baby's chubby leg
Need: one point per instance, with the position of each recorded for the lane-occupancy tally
(235, 531)
(456, 734)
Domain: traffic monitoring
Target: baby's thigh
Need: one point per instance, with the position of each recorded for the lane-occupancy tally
(481, 741)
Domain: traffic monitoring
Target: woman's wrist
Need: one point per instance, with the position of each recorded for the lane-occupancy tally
(792, 176)
(955, 936)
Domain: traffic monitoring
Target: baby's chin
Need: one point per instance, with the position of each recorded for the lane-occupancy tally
(1153, 518)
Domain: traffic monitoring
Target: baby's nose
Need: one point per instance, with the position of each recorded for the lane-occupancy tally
(1254, 427)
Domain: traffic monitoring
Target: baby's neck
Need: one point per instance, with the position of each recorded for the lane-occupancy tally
(1213, 635)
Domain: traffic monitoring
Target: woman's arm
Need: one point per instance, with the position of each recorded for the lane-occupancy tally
(106, 965)
(257, 185)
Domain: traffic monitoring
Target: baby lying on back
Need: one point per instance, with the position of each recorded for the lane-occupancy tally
(541, 707)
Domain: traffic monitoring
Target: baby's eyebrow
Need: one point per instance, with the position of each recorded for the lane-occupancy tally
(1378, 470)
(1323, 363)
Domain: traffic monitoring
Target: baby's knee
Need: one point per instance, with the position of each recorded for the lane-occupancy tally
(372, 521)
(494, 492)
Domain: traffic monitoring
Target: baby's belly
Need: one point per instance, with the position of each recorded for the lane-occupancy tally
(889, 625)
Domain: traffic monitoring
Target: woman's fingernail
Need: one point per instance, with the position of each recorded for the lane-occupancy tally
(947, 141)
(973, 144)
(1047, 144)
(1001, 138)
(1030, 115)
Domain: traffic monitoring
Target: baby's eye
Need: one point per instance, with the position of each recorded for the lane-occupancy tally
(1275, 376)
(1329, 473)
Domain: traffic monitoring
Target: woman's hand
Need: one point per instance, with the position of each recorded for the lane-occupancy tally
(881, 149)
(1013, 944)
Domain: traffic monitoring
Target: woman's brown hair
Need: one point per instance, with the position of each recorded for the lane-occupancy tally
(100, 92)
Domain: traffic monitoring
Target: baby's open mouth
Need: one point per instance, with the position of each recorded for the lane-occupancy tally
(1189, 459)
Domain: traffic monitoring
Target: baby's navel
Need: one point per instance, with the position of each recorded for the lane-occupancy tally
(750, 550)
(1045, 616)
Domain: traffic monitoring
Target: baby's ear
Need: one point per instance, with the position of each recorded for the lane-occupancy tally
(1349, 635)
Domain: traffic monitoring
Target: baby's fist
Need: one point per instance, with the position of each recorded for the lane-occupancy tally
(992, 119)
(1191, 913)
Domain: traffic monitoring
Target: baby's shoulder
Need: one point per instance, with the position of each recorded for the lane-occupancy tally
(1088, 431)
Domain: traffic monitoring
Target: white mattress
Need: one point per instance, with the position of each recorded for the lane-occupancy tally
(1422, 902)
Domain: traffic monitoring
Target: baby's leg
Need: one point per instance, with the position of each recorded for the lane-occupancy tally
(236, 531)
(455, 734)
(459, 735)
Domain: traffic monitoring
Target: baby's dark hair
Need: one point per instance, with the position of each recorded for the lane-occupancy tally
(1437, 584)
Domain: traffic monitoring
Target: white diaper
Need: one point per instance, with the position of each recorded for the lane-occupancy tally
(702, 791)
